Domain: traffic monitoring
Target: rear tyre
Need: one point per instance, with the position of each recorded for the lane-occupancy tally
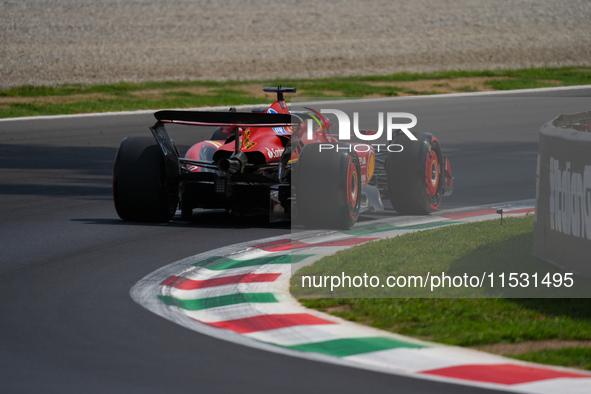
(141, 190)
(414, 175)
(328, 187)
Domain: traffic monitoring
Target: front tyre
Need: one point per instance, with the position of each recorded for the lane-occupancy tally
(141, 190)
(415, 182)
(328, 187)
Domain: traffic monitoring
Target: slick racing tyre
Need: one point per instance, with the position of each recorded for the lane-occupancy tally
(141, 191)
(415, 182)
(328, 187)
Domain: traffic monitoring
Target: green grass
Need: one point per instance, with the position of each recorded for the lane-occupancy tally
(121, 100)
(567, 357)
(466, 88)
(457, 321)
(467, 321)
(77, 98)
(476, 250)
(120, 88)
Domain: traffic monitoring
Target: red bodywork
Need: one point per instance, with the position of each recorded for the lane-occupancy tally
(247, 165)
(281, 163)
(270, 143)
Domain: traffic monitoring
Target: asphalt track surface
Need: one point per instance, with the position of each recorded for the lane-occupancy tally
(67, 322)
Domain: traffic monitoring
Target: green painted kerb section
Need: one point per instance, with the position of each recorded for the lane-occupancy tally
(352, 346)
(218, 263)
(212, 302)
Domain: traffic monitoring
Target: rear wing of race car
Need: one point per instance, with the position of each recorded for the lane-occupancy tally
(213, 118)
(208, 118)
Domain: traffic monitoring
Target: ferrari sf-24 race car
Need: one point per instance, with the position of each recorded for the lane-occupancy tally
(272, 161)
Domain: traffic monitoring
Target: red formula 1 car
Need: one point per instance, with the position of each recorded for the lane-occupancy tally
(284, 164)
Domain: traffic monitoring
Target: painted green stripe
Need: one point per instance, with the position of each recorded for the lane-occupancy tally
(352, 346)
(212, 302)
(219, 263)
(370, 229)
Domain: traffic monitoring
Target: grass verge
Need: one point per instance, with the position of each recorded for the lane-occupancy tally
(569, 356)
(471, 322)
(123, 96)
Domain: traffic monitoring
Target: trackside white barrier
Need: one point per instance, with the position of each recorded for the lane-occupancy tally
(562, 230)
